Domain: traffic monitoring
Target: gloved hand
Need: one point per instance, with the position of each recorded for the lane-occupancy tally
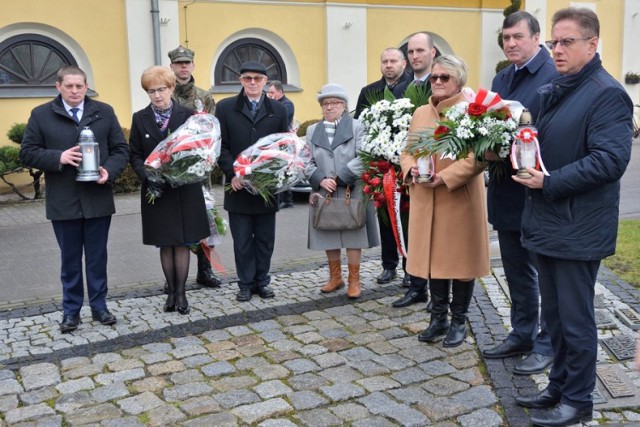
(155, 189)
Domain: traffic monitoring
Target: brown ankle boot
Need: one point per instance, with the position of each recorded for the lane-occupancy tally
(353, 290)
(335, 278)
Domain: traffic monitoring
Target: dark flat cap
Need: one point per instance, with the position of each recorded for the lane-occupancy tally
(255, 66)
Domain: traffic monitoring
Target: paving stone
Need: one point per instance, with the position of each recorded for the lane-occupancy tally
(271, 389)
(233, 383)
(380, 404)
(184, 391)
(72, 386)
(166, 368)
(238, 331)
(217, 346)
(286, 345)
(302, 400)
(102, 359)
(378, 383)
(93, 414)
(444, 386)
(26, 413)
(373, 422)
(301, 366)
(342, 391)
(307, 382)
(250, 363)
(351, 411)
(233, 398)
(223, 419)
(410, 376)
(476, 397)
(247, 340)
(6, 374)
(411, 395)
(121, 376)
(262, 410)
(197, 360)
(369, 368)
(39, 375)
(341, 374)
(152, 384)
(357, 354)
(185, 377)
(485, 417)
(140, 403)
(437, 368)
(329, 360)
(271, 372)
(218, 369)
(74, 362)
(122, 422)
(291, 319)
(395, 362)
(188, 350)
(442, 408)
(278, 422)
(109, 392)
(471, 376)
(199, 406)
(281, 356)
(463, 360)
(216, 335)
(188, 341)
(265, 325)
(82, 371)
(165, 415)
(312, 350)
(8, 402)
(37, 396)
(418, 354)
(10, 386)
(69, 403)
(125, 365)
(158, 347)
(50, 421)
(318, 418)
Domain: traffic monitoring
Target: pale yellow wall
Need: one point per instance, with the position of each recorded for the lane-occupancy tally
(384, 32)
(301, 27)
(98, 26)
(610, 13)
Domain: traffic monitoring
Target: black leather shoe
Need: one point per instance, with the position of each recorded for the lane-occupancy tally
(542, 400)
(244, 295)
(104, 316)
(506, 348)
(406, 281)
(206, 278)
(411, 297)
(534, 363)
(386, 276)
(69, 323)
(265, 292)
(563, 415)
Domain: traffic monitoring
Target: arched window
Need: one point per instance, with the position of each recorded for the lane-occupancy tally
(227, 70)
(28, 65)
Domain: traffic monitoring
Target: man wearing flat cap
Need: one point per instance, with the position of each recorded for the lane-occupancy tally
(186, 94)
(244, 119)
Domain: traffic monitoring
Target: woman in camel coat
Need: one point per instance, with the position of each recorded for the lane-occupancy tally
(448, 235)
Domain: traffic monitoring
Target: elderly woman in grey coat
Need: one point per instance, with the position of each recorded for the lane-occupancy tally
(334, 166)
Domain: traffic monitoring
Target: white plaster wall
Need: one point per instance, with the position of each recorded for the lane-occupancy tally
(347, 49)
(538, 8)
(490, 52)
(140, 37)
(631, 47)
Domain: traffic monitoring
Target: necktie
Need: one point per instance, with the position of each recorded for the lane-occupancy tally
(254, 108)
(418, 82)
(74, 114)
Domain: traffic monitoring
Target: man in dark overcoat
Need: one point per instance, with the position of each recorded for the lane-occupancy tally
(570, 217)
(80, 212)
(531, 67)
(244, 119)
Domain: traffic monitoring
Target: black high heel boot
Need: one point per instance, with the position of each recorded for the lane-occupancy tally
(462, 294)
(182, 305)
(439, 324)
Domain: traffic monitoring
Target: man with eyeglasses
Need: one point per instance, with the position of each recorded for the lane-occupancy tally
(244, 119)
(392, 66)
(531, 68)
(187, 94)
(570, 216)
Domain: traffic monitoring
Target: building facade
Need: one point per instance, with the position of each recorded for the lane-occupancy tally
(305, 43)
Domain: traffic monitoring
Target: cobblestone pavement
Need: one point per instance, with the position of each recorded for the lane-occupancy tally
(302, 358)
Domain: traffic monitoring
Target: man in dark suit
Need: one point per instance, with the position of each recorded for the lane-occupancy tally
(531, 68)
(80, 212)
(392, 66)
(244, 119)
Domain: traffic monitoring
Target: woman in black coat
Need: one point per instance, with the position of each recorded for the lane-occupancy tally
(178, 218)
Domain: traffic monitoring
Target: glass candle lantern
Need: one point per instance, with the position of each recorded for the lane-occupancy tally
(526, 149)
(88, 169)
(425, 169)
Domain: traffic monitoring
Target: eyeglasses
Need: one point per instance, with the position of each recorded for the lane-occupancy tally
(328, 104)
(249, 79)
(443, 78)
(566, 42)
(159, 90)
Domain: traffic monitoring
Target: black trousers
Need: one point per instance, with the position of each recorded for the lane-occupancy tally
(253, 241)
(78, 237)
(388, 248)
(567, 288)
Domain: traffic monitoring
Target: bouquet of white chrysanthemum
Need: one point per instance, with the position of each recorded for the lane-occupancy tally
(483, 123)
(386, 124)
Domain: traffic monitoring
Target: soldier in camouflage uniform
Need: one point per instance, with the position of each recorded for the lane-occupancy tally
(186, 93)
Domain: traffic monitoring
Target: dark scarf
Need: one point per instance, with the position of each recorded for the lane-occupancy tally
(162, 116)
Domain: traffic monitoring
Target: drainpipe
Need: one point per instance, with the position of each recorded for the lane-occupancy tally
(155, 19)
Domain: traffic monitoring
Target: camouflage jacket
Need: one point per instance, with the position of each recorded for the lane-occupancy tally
(186, 94)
